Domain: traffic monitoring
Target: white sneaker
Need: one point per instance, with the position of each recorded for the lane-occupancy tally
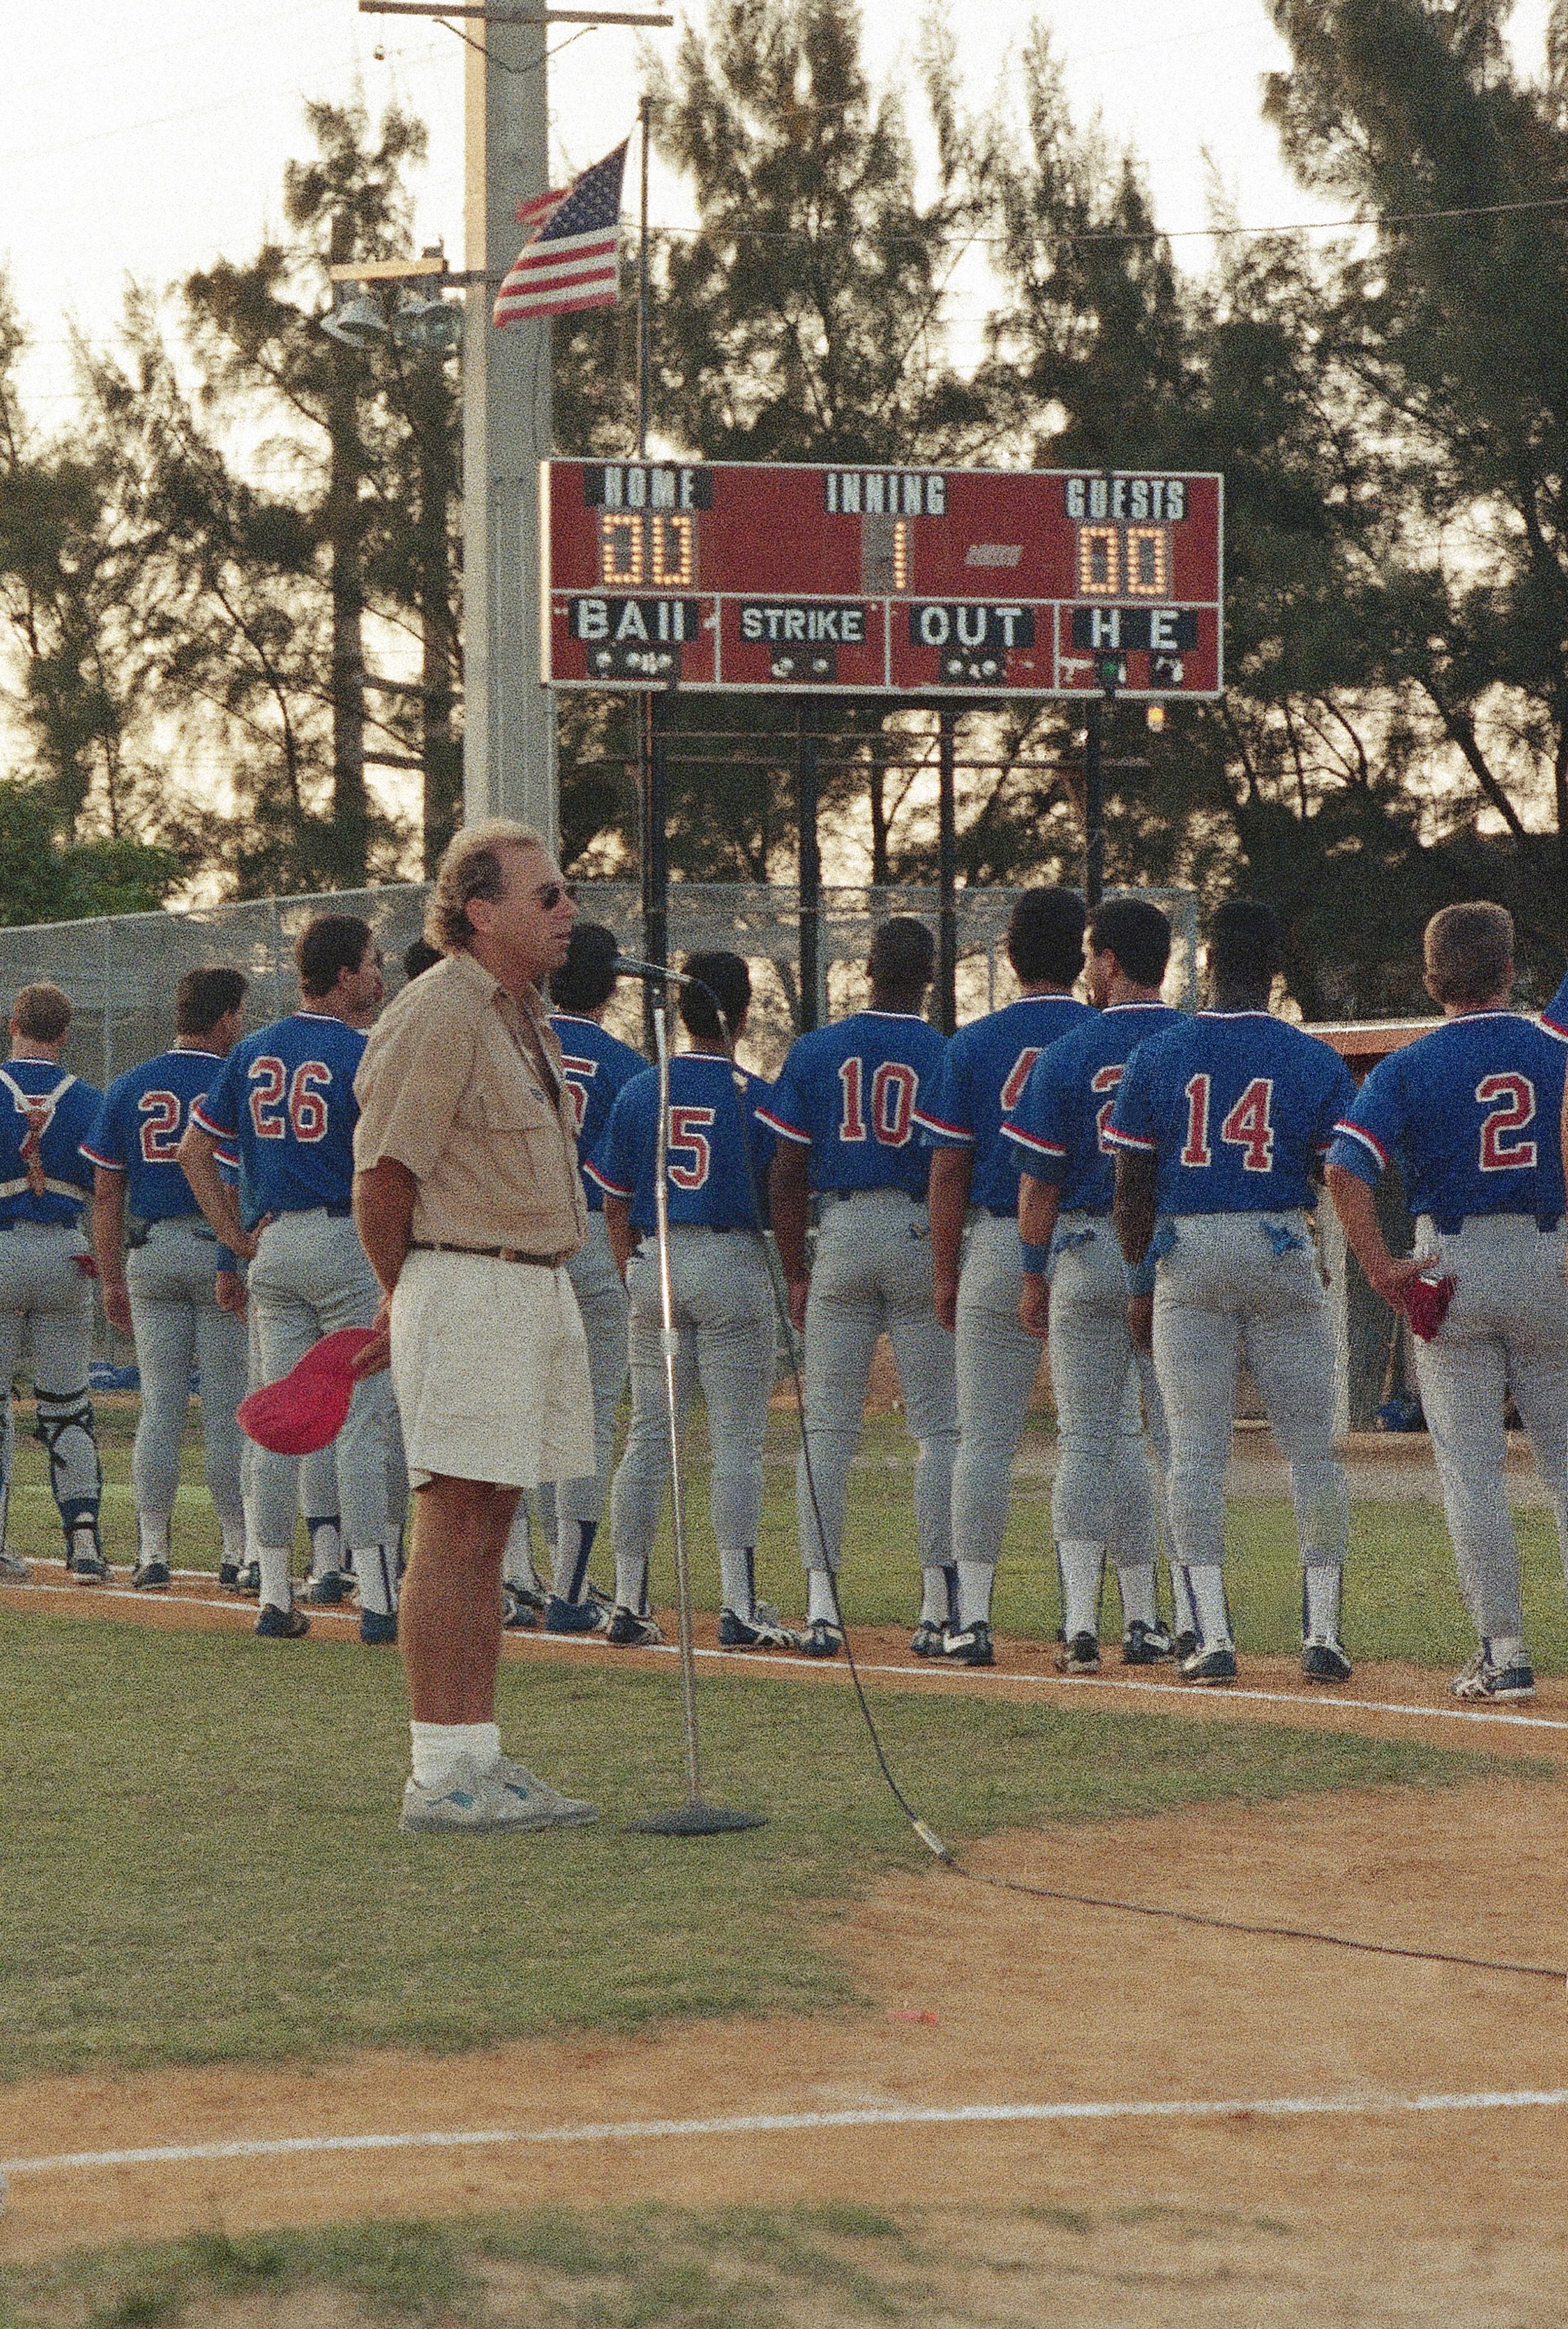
(504, 1796)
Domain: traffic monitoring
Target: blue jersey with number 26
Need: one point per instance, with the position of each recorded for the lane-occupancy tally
(1235, 1107)
(709, 1185)
(983, 1074)
(850, 1093)
(141, 1124)
(284, 1099)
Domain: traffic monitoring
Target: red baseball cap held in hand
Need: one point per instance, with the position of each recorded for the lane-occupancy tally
(308, 1407)
(1426, 1304)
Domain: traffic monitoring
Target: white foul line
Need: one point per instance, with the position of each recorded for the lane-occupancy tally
(654, 2130)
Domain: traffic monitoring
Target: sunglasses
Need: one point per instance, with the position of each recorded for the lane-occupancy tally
(549, 894)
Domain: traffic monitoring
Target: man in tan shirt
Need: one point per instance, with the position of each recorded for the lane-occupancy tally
(468, 1202)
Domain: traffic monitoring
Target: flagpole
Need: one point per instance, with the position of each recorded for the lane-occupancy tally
(650, 856)
(645, 116)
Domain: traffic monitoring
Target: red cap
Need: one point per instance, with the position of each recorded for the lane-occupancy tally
(308, 1407)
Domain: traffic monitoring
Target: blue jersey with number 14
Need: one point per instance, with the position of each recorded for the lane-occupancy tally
(709, 1185)
(983, 1074)
(141, 1124)
(1235, 1107)
(850, 1093)
(284, 1099)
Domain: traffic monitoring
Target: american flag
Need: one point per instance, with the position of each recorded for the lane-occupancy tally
(570, 258)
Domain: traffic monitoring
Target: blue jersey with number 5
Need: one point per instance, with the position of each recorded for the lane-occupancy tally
(596, 1067)
(141, 1124)
(983, 1074)
(1471, 1114)
(284, 1100)
(850, 1094)
(1235, 1107)
(710, 1186)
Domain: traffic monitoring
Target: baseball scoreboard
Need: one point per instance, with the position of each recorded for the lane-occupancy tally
(881, 581)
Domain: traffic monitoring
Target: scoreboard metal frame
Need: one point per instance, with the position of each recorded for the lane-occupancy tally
(835, 580)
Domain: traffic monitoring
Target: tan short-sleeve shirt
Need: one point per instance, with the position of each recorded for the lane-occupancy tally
(446, 1088)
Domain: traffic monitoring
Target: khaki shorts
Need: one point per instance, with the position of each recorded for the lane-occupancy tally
(489, 1364)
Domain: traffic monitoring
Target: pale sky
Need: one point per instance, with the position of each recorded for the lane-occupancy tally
(147, 137)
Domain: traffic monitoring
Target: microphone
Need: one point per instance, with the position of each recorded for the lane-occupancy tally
(626, 966)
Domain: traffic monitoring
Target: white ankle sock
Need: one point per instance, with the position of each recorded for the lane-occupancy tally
(935, 1604)
(976, 1581)
(1207, 1584)
(440, 1750)
(1320, 1609)
(153, 1536)
(1136, 1583)
(373, 1570)
(820, 1601)
(1082, 1563)
(735, 1584)
(275, 1585)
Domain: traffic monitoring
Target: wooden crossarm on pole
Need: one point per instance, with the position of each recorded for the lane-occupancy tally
(515, 16)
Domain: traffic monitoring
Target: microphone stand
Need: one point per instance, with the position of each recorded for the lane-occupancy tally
(693, 1817)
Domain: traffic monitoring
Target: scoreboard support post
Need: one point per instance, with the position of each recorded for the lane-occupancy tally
(655, 857)
(947, 870)
(1093, 806)
(810, 863)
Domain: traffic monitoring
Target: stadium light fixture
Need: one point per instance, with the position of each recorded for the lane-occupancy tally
(359, 323)
(429, 326)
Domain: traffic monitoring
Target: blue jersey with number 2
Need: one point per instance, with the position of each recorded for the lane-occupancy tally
(141, 1124)
(850, 1093)
(1235, 1107)
(1059, 1125)
(284, 1099)
(709, 1185)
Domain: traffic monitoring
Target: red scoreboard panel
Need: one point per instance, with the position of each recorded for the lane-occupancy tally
(865, 581)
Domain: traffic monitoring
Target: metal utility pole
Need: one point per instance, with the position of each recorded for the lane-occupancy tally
(947, 872)
(811, 881)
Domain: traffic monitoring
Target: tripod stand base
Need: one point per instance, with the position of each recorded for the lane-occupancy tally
(696, 1819)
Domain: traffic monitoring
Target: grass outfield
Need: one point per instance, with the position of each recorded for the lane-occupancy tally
(202, 1863)
(1403, 1600)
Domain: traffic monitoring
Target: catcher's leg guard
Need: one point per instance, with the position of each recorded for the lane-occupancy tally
(64, 1425)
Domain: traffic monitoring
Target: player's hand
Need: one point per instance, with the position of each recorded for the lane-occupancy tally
(1034, 1308)
(799, 1290)
(117, 1304)
(1140, 1321)
(945, 1291)
(376, 1357)
(229, 1292)
(1390, 1283)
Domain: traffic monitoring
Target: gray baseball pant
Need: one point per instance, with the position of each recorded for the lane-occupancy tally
(309, 1277)
(1247, 1282)
(872, 1274)
(179, 1328)
(724, 1311)
(602, 1300)
(1106, 1490)
(46, 1301)
(1507, 1330)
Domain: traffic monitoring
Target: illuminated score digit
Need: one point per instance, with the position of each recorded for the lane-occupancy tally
(1147, 562)
(1124, 560)
(1099, 561)
(901, 553)
(637, 546)
(620, 550)
(673, 565)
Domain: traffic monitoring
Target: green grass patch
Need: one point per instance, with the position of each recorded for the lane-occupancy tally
(202, 1863)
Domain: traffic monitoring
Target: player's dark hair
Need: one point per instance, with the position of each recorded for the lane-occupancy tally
(1246, 945)
(586, 979)
(419, 957)
(40, 1012)
(731, 982)
(204, 997)
(1046, 937)
(902, 959)
(1136, 933)
(330, 944)
(1467, 951)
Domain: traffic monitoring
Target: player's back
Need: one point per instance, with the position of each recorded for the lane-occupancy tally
(1237, 1107)
(852, 1091)
(285, 1099)
(45, 1112)
(140, 1125)
(1473, 1113)
(708, 1176)
(1061, 1122)
(596, 1067)
(983, 1071)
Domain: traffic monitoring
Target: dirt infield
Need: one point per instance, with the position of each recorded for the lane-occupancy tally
(1034, 2003)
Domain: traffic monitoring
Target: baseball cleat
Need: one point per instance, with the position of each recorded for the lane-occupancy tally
(229, 1575)
(275, 1625)
(970, 1645)
(1210, 1666)
(929, 1638)
(249, 1578)
(1482, 1678)
(521, 1609)
(327, 1591)
(1327, 1660)
(377, 1628)
(630, 1630)
(1080, 1655)
(1184, 1647)
(595, 1592)
(87, 1568)
(1147, 1646)
(762, 1631)
(13, 1570)
(150, 1576)
(822, 1638)
(576, 1616)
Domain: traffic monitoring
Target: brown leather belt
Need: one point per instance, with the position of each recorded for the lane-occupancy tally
(495, 1253)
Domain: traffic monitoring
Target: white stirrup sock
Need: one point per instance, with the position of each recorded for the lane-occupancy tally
(1082, 1563)
(938, 1594)
(373, 1573)
(819, 1600)
(153, 1536)
(1137, 1582)
(1207, 1584)
(1320, 1603)
(976, 1581)
(233, 1528)
(275, 1585)
(735, 1585)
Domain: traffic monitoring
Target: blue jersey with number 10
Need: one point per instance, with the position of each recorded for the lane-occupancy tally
(1235, 1107)
(141, 1124)
(850, 1093)
(983, 1074)
(284, 1099)
(596, 1067)
(709, 1185)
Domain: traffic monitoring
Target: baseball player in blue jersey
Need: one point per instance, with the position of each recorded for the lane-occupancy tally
(595, 1066)
(284, 1099)
(723, 1304)
(1472, 1115)
(843, 1112)
(163, 1289)
(977, 1289)
(46, 1271)
(1075, 1286)
(1220, 1124)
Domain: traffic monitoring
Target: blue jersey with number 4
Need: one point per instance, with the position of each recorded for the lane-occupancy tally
(596, 1067)
(1472, 1115)
(850, 1093)
(284, 1099)
(1059, 1126)
(1235, 1107)
(709, 1185)
(141, 1124)
(983, 1074)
